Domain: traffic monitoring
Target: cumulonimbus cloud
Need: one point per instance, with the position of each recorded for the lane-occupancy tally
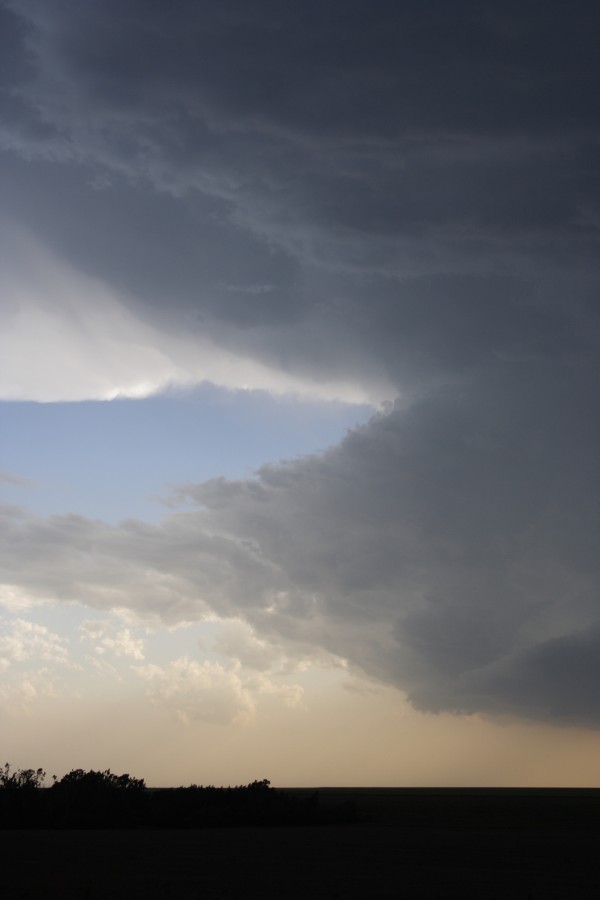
(420, 197)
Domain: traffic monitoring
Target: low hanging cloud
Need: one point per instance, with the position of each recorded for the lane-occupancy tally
(448, 548)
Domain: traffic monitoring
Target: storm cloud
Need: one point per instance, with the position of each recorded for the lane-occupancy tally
(273, 177)
(389, 201)
(449, 548)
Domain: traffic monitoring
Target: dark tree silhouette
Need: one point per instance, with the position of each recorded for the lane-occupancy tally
(83, 798)
(21, 795)
(98, 782)
(21, 779)
(102, 799)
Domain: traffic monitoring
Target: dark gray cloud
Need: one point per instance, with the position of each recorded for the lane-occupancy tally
(450, 549)
(308, 148)
(371, 191)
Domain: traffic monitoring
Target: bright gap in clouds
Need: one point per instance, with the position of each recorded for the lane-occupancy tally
(113, 460)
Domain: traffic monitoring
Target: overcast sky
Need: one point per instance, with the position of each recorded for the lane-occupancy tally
(299, 379)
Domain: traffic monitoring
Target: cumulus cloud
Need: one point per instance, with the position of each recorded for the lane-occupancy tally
(204, 691)
(107, 639)
(20, 695)
(237, 641)
(209, 692)
(27, 693)
(22, 640)
(291, 694)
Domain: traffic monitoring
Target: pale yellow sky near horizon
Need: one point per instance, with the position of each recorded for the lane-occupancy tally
(346, 732)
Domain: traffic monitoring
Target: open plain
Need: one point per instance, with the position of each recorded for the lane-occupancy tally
(535, 845)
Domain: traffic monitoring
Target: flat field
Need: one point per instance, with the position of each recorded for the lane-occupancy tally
(535, 845)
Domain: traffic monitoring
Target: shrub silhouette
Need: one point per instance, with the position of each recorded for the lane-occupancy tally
(97, 782)
(102, 799)
(98, 798)
(21, 779)
(20, 795)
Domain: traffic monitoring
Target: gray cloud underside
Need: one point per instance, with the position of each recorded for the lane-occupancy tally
(340, 154)
(400, 191)
(449, 549)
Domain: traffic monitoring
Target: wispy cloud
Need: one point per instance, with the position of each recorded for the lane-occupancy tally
(14, 480)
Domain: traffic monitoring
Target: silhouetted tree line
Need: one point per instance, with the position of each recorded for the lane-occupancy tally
(104, 800)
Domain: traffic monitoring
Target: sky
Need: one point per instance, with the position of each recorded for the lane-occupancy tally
(299, 380)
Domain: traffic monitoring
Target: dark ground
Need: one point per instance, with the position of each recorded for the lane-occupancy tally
(407, 844)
